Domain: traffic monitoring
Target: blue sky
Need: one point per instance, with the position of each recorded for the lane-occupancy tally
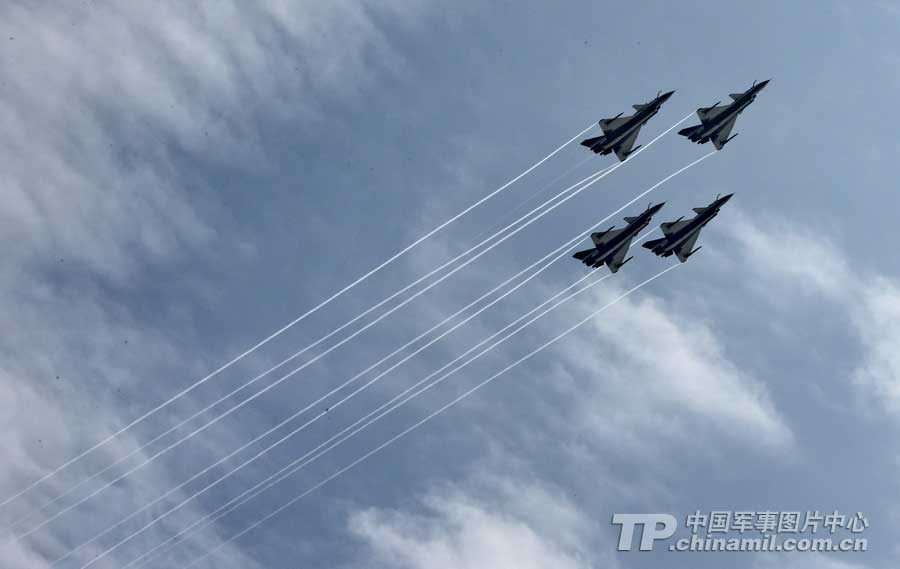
(179, 182)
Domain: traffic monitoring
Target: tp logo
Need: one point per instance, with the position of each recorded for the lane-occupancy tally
(653, 527)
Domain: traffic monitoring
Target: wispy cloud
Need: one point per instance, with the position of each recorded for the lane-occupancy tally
(654, 375)
(487, 523)
(799, 262)
(101, 101)
(109, 112)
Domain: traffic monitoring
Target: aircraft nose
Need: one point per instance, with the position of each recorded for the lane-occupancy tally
(665, 96)
(657, 207)
(724, 199)
(764, 83)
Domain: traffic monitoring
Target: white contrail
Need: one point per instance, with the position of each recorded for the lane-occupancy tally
(289, 324)
(547, 187)
(283, 473)
(365, 371)
(295, 465)
(307, 348)
(333, 406)
(358, 390)
(427, 418)
(295, 431)
(593, 179)
(292, 357)
(329, 394)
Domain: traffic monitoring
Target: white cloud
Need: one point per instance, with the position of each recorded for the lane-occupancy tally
(101, 106)
(653, 374)
(877, 319)
(504, 524)
(799, 261)
(102, 99)
(788, 254)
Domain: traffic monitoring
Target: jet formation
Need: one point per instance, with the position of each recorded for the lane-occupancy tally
(680, 236)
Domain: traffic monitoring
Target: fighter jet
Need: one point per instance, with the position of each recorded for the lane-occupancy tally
(610, 246)
(681, 234)
(620, 133)
(716, 122)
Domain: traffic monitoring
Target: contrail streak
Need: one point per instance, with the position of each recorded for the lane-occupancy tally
(333, 406)
(365, 386)
(287, 326)
(302, 427)
(427, 418)
(283, 472)
(406, 301)
(547, 187)
(342, 401)
(296, 465)
(289, 359)
(134, 534)
(305, 349)
(345, 399)
(596, 177)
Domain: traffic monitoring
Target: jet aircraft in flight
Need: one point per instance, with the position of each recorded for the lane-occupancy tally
(610, 246)
(681, 235)
(717, 121)
(620, 133)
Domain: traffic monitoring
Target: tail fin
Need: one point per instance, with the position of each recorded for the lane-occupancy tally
(652, 244)
(691, 130)
(582, 255)
(592, 142)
